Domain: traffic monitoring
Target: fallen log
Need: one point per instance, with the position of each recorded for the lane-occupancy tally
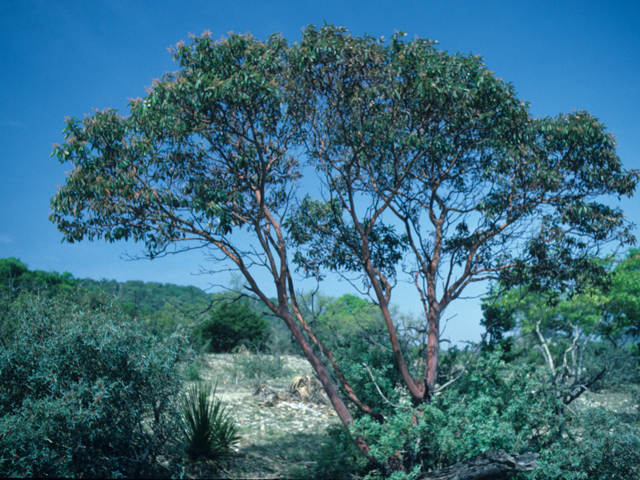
(492, 462)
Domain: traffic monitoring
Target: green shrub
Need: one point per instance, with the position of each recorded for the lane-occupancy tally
(491, 407)
(597, 444)
(623, 368)
(209, 430)
(232, 323)
(86, 392)
(192, 372)
(259, 367)
(497, 406)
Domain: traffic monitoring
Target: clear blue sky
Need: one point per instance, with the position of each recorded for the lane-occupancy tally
(66, 58)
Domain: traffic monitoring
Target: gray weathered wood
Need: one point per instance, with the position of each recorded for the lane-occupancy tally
(492, 462)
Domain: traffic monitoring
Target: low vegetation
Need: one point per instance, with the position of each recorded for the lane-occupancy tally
(209, 430)
(84, 391)
(87, 389)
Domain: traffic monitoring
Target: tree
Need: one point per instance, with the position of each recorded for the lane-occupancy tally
(625, 299)
(15, 276)
(230, 323)
(407, 139)
(562, 328)
(207, 152)
(402, 137)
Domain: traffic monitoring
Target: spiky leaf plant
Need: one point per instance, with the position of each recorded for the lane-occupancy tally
(208, 428)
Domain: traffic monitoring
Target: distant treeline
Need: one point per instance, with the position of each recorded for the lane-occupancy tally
(217, 321)
(141, 298)
(160, 306)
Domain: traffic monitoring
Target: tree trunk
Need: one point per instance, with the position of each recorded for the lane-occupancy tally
(492, 462)
(318, 367)
(433, 348)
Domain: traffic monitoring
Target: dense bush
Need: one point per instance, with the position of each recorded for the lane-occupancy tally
(495, 406)
(622, 367)
(231, 323)
(489, 408)
(84, 391)
(598, 444)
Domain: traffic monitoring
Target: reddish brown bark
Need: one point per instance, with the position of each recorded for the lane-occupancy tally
(433, 348)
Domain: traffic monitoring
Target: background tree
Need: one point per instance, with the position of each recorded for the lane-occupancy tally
(15, 277)
(625, 301)
(231, 323)
(581, 338)
(499, 322)
(561, 330)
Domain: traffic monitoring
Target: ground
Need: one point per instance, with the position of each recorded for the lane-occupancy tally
(278, 440)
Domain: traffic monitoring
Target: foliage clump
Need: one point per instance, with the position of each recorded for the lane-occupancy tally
(84, 391)
(232, 323)
(598, 444)
(493, 406)
(208, 428)
(488, 408)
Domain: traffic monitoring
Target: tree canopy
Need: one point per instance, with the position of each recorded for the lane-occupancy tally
(231, 323)
(429, 168)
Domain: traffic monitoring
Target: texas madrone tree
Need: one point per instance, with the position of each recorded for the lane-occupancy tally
(374, 159)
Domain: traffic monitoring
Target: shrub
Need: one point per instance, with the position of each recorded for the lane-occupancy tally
(623, 368)
(491, 407)
(192, 372)
(597, 445)
(86, 392)
(498, 406)
(230, 324)
(258, 367)
(209, 430)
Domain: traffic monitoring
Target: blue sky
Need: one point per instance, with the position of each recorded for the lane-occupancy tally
(66, 58)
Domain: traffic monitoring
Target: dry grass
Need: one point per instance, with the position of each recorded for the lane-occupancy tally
(280, 428)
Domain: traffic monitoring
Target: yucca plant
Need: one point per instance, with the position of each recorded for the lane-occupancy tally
(208, 428)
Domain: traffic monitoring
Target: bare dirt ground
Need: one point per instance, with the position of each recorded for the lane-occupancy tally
(277, 440)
